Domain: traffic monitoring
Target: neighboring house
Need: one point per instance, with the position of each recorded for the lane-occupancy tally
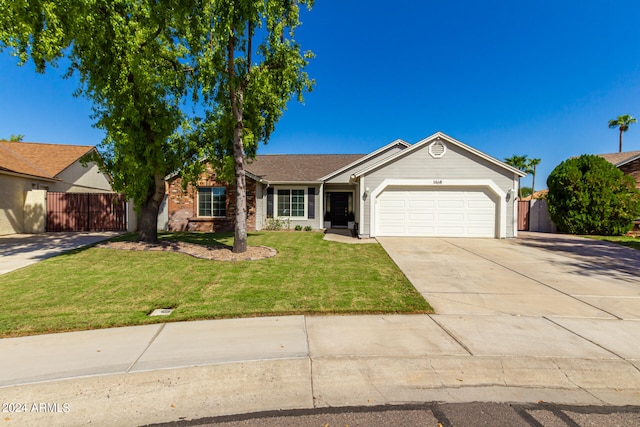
(628, 162)
(435, 187)
(29, 170)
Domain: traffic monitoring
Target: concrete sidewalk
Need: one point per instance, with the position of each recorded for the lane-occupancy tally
(191, 370)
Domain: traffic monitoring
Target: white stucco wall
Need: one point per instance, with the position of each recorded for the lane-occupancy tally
(79, 179)
(13, 194)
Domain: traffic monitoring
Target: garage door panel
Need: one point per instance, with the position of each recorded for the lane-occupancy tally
(446, 212)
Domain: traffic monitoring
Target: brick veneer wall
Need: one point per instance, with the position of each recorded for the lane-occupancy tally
(183, 208)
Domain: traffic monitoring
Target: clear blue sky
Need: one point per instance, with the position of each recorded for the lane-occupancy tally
(540, 78)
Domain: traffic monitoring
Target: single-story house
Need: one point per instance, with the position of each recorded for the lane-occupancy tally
(628, 162)
(28, 171)
(436, 187)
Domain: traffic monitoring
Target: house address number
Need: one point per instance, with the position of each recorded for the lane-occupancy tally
(437, 181)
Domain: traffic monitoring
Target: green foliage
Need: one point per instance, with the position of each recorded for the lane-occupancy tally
(298, 227)
(14, 138)
(589, 195)
(526, 191)
(307, 228)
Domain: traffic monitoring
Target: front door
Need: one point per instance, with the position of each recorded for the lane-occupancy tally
(339, 209)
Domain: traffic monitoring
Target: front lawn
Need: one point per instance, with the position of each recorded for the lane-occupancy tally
(632, 242)
(99, 288)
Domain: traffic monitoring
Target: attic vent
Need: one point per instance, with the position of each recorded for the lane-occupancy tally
(437, 149)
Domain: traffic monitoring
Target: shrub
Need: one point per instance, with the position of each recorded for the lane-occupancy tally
(307, 228)
(589, 195)
(298, 228)
(275, 224)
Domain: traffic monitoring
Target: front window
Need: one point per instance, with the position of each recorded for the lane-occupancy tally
(212, 201)
(291, 203)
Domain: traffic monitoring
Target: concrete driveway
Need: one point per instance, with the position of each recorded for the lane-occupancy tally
(534, 275)
(20, 250)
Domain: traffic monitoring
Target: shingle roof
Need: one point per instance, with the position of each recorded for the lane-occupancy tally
(620, 158)
(298, 167)
(43, 160)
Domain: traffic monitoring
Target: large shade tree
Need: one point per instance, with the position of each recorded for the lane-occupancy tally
(248, 66)
(622, 123)
(129, 60)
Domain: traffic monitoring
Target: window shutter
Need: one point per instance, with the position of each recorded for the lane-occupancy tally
(270, 202)
(311, 214)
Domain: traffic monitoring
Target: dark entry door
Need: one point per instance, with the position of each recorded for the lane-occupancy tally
(339, 209)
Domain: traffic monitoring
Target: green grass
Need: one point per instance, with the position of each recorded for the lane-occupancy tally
(98, 288)
(631, 242)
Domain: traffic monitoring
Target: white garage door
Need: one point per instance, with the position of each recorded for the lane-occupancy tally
(436, 212)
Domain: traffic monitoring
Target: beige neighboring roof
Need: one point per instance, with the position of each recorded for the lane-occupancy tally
(42, 160)
(620, 159)
(542, 194)
(298, 167)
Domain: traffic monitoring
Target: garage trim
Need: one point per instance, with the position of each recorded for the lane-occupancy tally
(437, 182)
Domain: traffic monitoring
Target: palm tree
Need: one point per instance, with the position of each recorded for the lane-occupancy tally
(520, 163)
(532, 165)
(622, 123)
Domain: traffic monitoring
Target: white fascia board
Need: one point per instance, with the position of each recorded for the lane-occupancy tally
(629, 160)
(365, 158)
(273, 183)
(448, 139)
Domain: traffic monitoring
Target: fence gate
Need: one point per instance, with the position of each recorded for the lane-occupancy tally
(86, 212)
(523, 215)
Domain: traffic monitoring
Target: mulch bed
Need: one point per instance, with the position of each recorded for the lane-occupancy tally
(217, 253)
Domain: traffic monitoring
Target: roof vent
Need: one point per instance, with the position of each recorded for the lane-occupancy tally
(437, 149)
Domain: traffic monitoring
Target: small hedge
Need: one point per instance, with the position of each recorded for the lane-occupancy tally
(589, 195)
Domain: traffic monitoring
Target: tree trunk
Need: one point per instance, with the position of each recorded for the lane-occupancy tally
(148, 227)
(236, 95)
(620, 148)
(533, 181)
(240, 237)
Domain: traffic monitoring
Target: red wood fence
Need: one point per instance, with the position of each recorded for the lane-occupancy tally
(523, 215)
(86, 212)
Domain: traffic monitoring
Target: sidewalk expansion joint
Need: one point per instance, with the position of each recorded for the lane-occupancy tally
(453, 337)
(151, 341)
(592, 342)
(306, 334)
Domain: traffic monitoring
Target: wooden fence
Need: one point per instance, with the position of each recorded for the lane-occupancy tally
(86, 212)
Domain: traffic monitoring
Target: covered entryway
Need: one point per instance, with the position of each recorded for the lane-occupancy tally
(86, 212)
(437, 212)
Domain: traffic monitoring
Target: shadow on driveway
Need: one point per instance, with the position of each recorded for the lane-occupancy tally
(591, 255)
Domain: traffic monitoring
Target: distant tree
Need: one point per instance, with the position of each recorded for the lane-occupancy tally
(589, 195)
(520, 163)
(622, 123)
(533, 163)
(526, 191)
(249, 66)
(14, 138)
